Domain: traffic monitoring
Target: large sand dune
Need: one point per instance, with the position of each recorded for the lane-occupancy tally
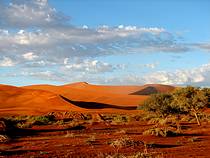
(36, 99)
(15, 100)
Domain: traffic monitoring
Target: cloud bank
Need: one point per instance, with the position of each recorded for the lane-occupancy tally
(44, 43)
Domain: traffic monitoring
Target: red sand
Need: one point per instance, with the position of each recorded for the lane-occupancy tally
(15, 100)
(38, 99)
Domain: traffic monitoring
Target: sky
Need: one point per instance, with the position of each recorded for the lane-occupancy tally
(113, 42)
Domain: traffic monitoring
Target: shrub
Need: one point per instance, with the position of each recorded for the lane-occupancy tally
(160, 109)
(29, 121)
(24, 125)
(70, 135)
(41, 120)
(76, 126)
(160, 105)
(163, 132)
(194, 139)
(207, 94)
(2, 126)
(90, 140)
(121, 119)
(59, 122)
(134, 155)
(125, 142)
(146, 155)
(4, 139)
(191, 100)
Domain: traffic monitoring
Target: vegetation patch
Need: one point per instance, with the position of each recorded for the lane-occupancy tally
(90, 140)
(167, 109)
(125, 142)
(162, 132)
(134, 155)
(4, 139)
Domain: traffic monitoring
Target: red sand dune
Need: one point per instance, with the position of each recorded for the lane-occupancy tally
(15, 100)
(36, 99)
(113, 95)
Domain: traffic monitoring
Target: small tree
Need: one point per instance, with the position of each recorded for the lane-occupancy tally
(207, 94)
(192, 100)
(160, 104)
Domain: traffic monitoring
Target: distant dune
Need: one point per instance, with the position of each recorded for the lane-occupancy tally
(81, 96)
(153, 88)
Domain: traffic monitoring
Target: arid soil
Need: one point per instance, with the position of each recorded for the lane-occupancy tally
(95, 137)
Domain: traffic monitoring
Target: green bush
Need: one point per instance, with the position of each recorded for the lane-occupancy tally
(29, 121)
(160, 105)
(191, 100)
(121, 118)
(188, 100)
(41, 120)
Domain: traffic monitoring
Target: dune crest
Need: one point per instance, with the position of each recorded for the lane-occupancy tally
(80, 96)
(21, 101)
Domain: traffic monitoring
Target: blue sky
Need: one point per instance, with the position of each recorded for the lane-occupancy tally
(105, 42)
(182, 16)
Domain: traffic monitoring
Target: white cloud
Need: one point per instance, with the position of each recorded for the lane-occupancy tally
(196, 76)
(60, 43)
(30, 13)
(89, 66)
(90, 71)
(43, 75)
(199, 76)
(41, 28)
(6, 62)
(85, 27)
(151, 65)
(65, 61)
(35, 26)
(204, 46)
(30, 56)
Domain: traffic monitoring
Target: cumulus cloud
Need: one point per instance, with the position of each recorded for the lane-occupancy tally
(43, 75)
(29, 56)
(197, 76)
(6, 62)
(35, 26)
(29, 13)
(54, 45)
(88, 66)
(36, 36)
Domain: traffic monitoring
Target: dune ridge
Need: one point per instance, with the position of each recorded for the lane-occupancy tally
(80, 96)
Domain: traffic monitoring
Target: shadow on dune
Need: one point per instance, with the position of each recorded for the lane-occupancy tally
(146, 91)
(94, 105)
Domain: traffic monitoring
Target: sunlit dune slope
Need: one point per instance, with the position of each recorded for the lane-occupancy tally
(114, 95)
(40, 99)
(87, 93)
(104, 89)
(15, 100)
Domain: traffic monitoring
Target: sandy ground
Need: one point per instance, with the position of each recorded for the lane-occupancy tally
(94, 139)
